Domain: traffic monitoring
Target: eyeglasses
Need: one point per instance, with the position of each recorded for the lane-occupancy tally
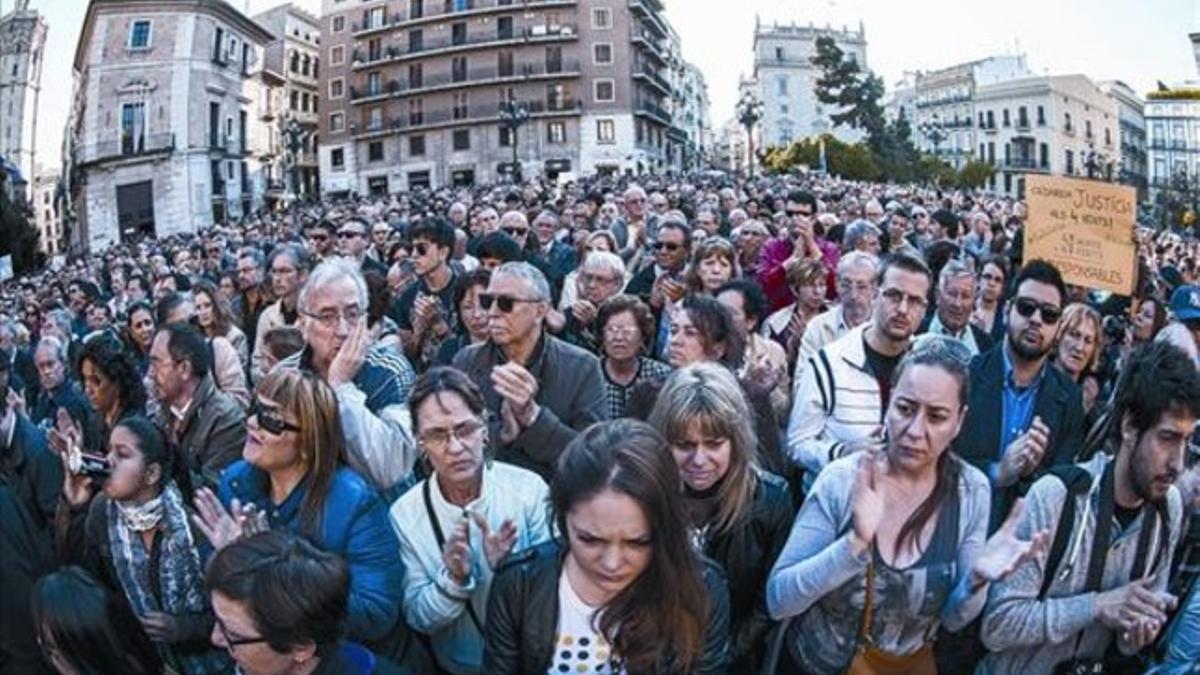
(236, 642)
(668, 245)
(350, 234)
(268, 420)
(620, 331)
(597, 279)
(516, 231)
(439, 439)
(1027, 306)
(504, 302)
(897, 297)
(329, 318)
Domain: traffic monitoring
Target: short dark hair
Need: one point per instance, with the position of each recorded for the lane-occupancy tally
(1159, 378)
(166, 305)
(263, 572)
(1042, 272)
(499, 246)
(296, 252)
(803, 197)
(480, 276)
(754, 300)
(187, 344)
(445, 379)
(437, 230)
(906, 262)
(947, 220)
(674, 223)
(715, 323)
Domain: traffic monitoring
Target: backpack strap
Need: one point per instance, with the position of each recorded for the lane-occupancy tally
(1077, 481)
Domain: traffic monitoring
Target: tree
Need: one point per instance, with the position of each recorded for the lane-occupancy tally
(975, 174)
(855, 92)
(18, 236)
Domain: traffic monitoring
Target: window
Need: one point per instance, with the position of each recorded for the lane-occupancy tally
(1070, 162)
(1044, 155)
(337, 88)
(1022, 117)
(416, 9)
(781, 85)
(1107, 136)
(606, 132)
(416, 76)
(375, 118)
(218, 56)
(504, 64)
(504, 27)
(337, 122)
(139, 35)
(416, 145)
(294, 103)
(337, 55)
(506, 137)
(604, 91)
(991, 119)
(462, 139)
(601, 18)
(1087, 128)
(458, 69)
(416, 114)
(416, 41)
(375, 18)
(554, 60)
(602, 54)
(1006, 117)
(460, 105)
(375, 151)
(133, 128)
(214, 124)
(1067, 122)
(339, 24)
(1041, 116)
(556, 132)
(374, 84)
(337, 159)
(243, 136)
(246, 58)
(555, 96)
(779, 53)
(374, 49)
(458, 33)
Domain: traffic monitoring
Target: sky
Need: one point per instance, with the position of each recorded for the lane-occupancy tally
(1139, 42)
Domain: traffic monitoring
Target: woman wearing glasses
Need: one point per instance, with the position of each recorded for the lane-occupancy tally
(130, 530)
(456, 526)
(293, 473)
(625, 325)
(890, 545)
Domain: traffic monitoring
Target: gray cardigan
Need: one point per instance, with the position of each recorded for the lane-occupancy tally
(1027, 635)
(819, 580)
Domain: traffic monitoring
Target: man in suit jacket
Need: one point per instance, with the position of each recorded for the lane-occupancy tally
(1025, 416)
(952, 311)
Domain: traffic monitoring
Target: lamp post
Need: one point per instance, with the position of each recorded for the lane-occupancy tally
(749, 112)
(935, 132)
(295, 135)
(513, 114)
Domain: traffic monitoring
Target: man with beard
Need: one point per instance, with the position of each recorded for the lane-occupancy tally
(1115, 523)
(955, 302)
(1024, 416)
(843, 391)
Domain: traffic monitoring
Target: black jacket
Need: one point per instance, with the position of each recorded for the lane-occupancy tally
(24, 557)
(33, 472)
(747, 555)
(1059, 404)
(522, 616)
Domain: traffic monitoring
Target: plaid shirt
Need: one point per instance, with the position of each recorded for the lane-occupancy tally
(616, 395)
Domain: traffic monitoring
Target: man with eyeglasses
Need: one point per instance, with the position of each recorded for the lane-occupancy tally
(1024, 415)
(289, 270)
(206, 424)
(321, 238)
(371, 383)
(425, 311)
(662, 283)
(857, 273)
(554, 257)
(353, 241)
(541, 391)
(797, 242)
(843, 391)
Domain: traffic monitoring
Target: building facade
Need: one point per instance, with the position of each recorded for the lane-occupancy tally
(413, 90)
(691, 116)
(1131, 115)
(787, 81)
(296, 55)
(1061, 125)
(1173, 139)
(22, 42)
(43, 202)
(166, 132)
(943, 107)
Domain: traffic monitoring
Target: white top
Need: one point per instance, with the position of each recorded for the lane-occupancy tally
(578, 647)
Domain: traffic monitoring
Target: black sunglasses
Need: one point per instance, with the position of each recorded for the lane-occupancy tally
(798, 212)
(669, 245)
(268, 420)
(347, 234)
(516, 231)
(504, 302)
(1027, 306)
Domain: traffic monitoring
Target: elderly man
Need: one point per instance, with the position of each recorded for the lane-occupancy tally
(555, 258)
(749, 237)
(662, 283)
(289, 271)
(516, 226)
(206, 424)
(862, 235)
(56, 388)
(541, 390)
(372, 384)
(955, 302)
(856, 276)
(601, 276)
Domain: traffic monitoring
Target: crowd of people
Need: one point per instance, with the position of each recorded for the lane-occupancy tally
(629, 426)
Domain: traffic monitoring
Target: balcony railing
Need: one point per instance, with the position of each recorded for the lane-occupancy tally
(474, 77)
(428, 47)
(470, 114)
(653, 45)
(654, 110)
(658, 80)
(435, 10)
(126, 149)
(1025, 163)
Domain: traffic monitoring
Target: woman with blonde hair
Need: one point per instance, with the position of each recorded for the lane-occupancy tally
(714, 262)
(1078, 346)
(738, 515)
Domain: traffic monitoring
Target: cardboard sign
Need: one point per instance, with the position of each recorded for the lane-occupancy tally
(1085, 229)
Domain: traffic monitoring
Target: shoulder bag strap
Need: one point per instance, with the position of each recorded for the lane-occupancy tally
(440, 538)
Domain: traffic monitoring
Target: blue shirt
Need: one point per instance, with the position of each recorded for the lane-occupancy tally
(1017, 408)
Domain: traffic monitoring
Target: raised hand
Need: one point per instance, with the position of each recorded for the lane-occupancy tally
(519, 388)
(350, 356)
(498, 544)
(1003, 551)
(1024, 454)
(223, 527)
(866, 504)
(78, 488)
(456, 554)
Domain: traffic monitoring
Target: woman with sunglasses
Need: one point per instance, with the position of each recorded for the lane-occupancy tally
(215, 319)
(131, 531)
(738, 515)
(457, 525)
(621, 590)
(890, 545)
(293, 473)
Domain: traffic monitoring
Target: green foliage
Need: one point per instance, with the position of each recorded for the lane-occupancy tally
(18, 236)
(975, 174)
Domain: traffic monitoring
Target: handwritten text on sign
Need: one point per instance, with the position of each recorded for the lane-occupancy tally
(1085, 228)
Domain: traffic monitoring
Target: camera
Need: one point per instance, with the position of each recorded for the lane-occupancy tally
(93, 466)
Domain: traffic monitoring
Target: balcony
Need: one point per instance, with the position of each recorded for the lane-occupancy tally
(650, 9)
(475, 77)
(107, 151)
(651, 45)
(647, 74)
(475, 8)
(448, 44)
(451, 116)
(1025, 163)
(653, 111)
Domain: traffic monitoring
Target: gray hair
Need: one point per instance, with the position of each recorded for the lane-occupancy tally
(603, 261)
(53, 344)
(61, 318)
(953, 269)
(530, 274)
(253, 254)
(327, 273)
(857, 259)
(297, 253)
(856, 232)
(511, 216)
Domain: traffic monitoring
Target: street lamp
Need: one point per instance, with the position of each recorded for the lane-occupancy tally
(935, 132)
(513, 114)
(749, 112)
(295, 135)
